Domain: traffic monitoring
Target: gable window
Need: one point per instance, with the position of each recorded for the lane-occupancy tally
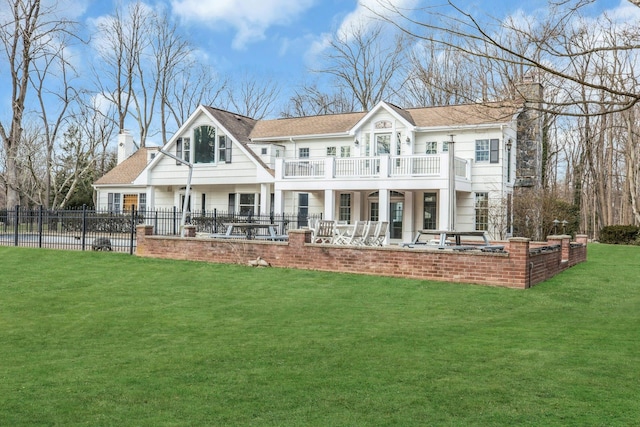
(183, 150)
(482, 211)
(331, 151)
(345, 151)
(113, 203)
(432, 147)
(204, 144)
(224, 149)
(383, 143)
(303, 153)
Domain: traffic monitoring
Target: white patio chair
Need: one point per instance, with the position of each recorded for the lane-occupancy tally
(325, 232)
(380, 234)
(352, 235)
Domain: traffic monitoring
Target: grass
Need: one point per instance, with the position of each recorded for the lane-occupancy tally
(90, 339)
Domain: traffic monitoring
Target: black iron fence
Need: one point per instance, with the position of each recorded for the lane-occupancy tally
(88, 229)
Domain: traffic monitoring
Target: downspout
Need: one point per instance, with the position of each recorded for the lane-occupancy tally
(183, 220)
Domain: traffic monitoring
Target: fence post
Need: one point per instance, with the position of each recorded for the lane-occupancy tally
(84, 225)
(174, 221)
(40, 226)
(15, 233)
(155, 222)
(133, 228)
(215, 220)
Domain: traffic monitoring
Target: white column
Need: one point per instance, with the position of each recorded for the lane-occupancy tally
(452, 186)
(385, 210)
(278, 202)
(329, 204)
(443, 209)
(408, 220)
(357, 206)
(265, 199)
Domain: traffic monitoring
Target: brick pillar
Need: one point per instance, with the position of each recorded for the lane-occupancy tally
(519, 275)
(189, 231)
(141, 232)
(299, 237)
(581, 238)
(563, 240)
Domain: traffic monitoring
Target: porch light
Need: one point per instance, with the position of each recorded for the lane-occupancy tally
(408, 140)
(356, 142)
(509, 143)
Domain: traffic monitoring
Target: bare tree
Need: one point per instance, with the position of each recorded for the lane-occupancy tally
(251, 96)
(26, 33)
(361, 61)
(311, 101)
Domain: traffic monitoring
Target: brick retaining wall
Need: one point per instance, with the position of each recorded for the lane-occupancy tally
(516, 268)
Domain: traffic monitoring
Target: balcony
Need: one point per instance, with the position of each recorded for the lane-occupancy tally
(410, 168)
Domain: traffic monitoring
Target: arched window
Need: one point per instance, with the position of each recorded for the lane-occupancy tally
(204, 138)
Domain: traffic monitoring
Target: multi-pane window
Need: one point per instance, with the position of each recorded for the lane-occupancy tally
(142, 202)
(344, 209)
(430, 211)
(303, 209)
(487, 150)
(383, 144)
(183, 150)
(224, 149)
(303, 153)
(482, 150)
(204, 144)
(445, 146)
(113, 203)
(345, 151)
(247, 204)
(331, 151)
(482, 211)
(432, 147)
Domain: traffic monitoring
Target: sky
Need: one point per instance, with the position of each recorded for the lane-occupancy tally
(276, 40)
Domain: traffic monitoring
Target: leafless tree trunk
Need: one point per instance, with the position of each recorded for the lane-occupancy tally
(252, 97)
(26, 32)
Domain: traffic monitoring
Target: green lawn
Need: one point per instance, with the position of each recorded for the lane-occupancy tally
(105, 339)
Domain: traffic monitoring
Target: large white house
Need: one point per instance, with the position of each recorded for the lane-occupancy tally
(452, 167)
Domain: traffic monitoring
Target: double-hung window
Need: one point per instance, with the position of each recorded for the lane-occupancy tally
(224, 149)
(183, 150)
(303, 153)
(487, 150)
(331, 151)
(113, 203)
(344, 210)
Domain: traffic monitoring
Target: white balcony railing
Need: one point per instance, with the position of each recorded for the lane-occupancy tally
(374, 167)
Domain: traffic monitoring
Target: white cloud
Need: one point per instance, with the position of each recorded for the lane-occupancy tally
(367, 12)
(250, 18)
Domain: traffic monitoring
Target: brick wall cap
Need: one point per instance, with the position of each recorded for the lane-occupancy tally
(519, 239)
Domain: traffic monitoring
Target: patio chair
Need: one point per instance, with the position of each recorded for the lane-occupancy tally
(353, 235)
(378, 236)
(324, 233)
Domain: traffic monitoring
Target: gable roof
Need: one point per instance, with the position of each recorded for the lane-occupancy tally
(301, 126)
(237, 125)
(127, 171)
(424, 117)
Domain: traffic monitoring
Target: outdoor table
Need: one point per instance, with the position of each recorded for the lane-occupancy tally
(249, 228)
(444, 234)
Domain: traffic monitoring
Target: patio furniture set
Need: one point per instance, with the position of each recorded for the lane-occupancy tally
(360, 233)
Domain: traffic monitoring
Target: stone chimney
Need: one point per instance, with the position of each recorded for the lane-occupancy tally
(126, 146)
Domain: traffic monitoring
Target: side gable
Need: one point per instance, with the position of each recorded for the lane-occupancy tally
(126, 172)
